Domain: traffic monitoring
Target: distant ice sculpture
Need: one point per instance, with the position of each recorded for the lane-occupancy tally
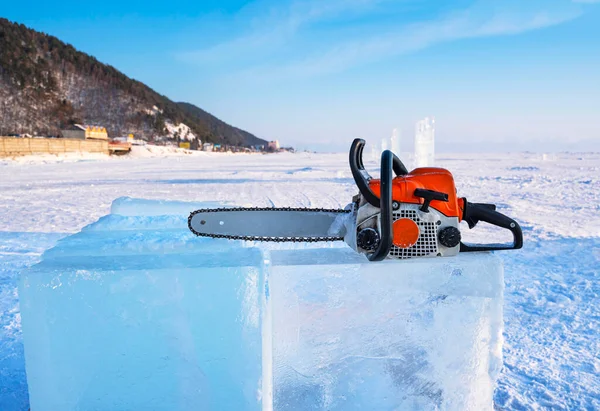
(395, 146)
(425, 143)
(385, 144)
(375, 153)
(134, 312)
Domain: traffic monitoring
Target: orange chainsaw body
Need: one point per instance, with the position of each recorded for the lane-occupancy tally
(429, 178)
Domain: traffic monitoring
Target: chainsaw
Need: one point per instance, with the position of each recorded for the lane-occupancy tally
(401, 215)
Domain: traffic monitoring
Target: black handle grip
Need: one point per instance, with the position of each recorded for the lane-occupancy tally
(428, 196)
(361, 177)
(474, 212)
(399, 167)
(385, 242)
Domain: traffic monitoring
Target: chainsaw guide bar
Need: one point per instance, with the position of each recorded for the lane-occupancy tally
(319, 224)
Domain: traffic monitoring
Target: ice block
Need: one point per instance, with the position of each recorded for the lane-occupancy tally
(348, 334)
(128, 206)
(136, 313)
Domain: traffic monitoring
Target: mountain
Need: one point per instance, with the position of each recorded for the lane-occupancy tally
(231, 135)
(46, 85)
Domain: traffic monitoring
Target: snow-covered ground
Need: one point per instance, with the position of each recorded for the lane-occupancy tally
(552, 329)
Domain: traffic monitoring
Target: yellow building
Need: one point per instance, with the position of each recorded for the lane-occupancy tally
(85, 132)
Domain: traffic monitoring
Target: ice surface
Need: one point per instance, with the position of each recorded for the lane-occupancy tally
(552, 328)
(349, 334)
(143, 317)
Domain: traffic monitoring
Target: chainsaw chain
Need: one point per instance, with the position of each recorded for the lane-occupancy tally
(260, 238)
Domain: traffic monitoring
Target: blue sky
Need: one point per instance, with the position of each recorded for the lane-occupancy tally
(503, 75)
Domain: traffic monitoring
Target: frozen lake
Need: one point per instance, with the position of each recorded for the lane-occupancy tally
(552, 329)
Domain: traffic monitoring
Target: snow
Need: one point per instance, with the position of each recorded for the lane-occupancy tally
(180, 130)
(552, 295)
(54, 158)
(153, 111)
(149, 150)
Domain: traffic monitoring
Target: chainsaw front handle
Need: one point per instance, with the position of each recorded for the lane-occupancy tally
(362, 177)
(475, 212)
(386, 219)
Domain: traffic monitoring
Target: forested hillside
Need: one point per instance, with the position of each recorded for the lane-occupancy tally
(46, 84)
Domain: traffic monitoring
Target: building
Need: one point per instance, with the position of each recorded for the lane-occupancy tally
(85, 132)
(207, 147)
(273, 145)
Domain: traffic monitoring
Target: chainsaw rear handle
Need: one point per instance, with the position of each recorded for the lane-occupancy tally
(475, 212)
(361, 177)
(386, 220)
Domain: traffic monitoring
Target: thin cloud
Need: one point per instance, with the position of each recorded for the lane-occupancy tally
(376, 42)
(276, 26)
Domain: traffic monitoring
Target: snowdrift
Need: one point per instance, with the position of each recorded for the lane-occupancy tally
(134, 312)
